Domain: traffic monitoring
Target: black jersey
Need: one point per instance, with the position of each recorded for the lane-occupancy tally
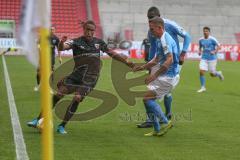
(81, 46)
(147, 46)
(54, 41)
(86, 56)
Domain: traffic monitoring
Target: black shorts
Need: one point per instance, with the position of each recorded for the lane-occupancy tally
(82, 85)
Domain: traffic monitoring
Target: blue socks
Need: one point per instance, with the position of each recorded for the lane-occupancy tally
(202, 81)
(147, 111)
(155, 113)
(168, 104)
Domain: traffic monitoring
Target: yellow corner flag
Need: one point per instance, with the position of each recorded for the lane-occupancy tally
(34, 28)
(46, 103)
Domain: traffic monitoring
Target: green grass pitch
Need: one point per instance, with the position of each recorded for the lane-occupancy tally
(206, 125)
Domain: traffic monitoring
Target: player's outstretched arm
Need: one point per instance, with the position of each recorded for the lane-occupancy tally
(120, 58)
(62, 46)
(148, 65)
(164, 67)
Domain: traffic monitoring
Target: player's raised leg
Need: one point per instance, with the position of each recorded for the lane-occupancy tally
(213, 71)
(62, 90)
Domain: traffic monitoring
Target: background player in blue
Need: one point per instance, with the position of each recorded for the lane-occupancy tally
(174, 30)
(208, 48)
(163, 77)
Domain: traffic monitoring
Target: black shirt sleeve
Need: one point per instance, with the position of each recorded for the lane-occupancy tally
(57, 39)
(71, 43)
(103, 46)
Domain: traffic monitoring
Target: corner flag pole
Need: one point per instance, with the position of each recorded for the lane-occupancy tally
(46, 102)
(35, 24)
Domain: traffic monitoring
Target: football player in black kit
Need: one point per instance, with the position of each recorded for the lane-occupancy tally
(146, 45)
(83, 78)
(54, 41)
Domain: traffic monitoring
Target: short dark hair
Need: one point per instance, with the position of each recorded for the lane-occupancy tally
(157, 20)
(89, 22)
(207, 28)
(152, 12)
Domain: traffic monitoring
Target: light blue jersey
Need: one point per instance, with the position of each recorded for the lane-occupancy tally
(207, 46)
(174, 30)
(164, 46)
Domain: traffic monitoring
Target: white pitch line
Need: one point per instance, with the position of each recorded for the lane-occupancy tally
(20, 145)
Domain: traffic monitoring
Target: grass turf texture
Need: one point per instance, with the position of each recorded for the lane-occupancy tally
(206, 124)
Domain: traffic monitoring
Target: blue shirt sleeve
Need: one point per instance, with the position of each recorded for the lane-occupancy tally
(182, 33)
(167, 44)
(186, 42)
(165, 48)
(186, 37)
(215, 42)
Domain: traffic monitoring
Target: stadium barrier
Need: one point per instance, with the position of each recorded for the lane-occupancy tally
(228, 52)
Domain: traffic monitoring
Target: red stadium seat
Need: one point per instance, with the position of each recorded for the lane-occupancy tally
(66, 15)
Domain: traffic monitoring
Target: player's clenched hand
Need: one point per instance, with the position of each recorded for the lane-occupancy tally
(64, 38)
(77, 97)
(138, 68)
(150, 79)
(130, 64)
(181, 59)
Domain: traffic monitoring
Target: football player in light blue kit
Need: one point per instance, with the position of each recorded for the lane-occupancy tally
(163, 77)
(208, 48)
(174, 30)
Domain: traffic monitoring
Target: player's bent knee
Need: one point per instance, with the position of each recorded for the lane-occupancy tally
(145, 99)
(168, 95)
(78, 98)
(59, 94)
(202, 72)
(212, 74)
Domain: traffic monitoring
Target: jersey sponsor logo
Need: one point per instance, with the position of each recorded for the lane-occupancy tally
(165, 49)
(97, 46)
(82, 47)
